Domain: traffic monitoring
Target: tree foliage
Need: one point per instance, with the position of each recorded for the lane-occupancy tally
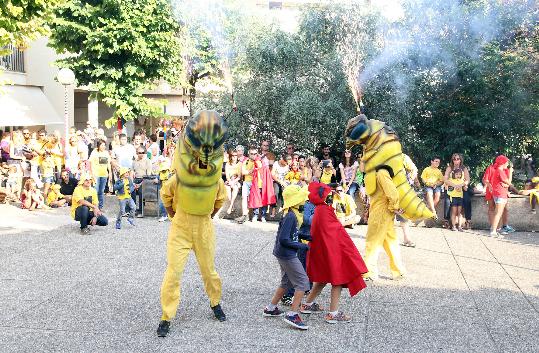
(455, 89)
(23, 20)
(119, 48)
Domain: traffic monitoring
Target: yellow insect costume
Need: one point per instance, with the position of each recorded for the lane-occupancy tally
(194, 193)
(388, 188)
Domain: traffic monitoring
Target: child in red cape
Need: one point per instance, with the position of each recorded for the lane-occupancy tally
(333, 257)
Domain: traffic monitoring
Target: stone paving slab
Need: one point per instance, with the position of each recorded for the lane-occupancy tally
(60, 291)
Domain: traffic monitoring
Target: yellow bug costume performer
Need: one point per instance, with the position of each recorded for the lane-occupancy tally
(191, 197)
(388, 188)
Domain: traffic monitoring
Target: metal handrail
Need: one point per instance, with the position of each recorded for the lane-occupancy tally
(14, 61)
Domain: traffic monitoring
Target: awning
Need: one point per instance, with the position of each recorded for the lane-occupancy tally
(26, 106)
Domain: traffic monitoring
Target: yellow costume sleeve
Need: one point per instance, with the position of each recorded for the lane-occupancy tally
(167, 193)
(384, 179)
(221, 195)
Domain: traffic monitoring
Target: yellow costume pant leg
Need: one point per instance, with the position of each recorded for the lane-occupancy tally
(391, 246)
(204, 247)
(189, 232)
(380, 224)
(381, 230)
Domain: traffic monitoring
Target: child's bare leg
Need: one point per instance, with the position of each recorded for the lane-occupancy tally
(278, 295)
(298, 295)
(315, 291)
(430, 201)
(335, 298)
(491, 208)
(453, 216)
(33, 205)
(459, 216)
(534, 203)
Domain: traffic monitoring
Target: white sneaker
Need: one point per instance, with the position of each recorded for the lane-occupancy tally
(263, 219)
(163, 218)
(493, 234)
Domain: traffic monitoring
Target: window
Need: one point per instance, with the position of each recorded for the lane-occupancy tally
(14, 61)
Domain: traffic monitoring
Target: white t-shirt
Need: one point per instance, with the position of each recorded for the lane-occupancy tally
(280, 171)
(125, 155)
(348, 171)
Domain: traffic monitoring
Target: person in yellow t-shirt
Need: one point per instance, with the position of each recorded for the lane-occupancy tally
(84, 205)
(456, 194)
(433, 179)
(294, 175)
(164, 174)
(124, 187)
(247, 171)
(345, 208)
(101, 169)
(328, 172)
(54, 197)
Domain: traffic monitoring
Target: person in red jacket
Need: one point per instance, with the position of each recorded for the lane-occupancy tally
(333, 257)
(499, 182)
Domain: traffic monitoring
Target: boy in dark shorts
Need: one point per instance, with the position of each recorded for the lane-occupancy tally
(285, 250)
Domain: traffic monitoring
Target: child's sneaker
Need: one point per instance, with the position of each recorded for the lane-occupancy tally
(314, 308)
(337, 318)
(273, 313)
(286, 300)
(131, 221)
(508, 228)
(119, 224)
(295, 320)
(534, 212)
(163, 219)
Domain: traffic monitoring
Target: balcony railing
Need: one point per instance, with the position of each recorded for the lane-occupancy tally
(14, 61)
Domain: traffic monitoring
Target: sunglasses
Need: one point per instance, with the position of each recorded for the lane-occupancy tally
(140, 152)
(339, 190)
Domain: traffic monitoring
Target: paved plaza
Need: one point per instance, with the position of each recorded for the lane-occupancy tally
(60, 291)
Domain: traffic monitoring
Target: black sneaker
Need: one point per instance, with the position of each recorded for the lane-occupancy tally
(163, 328)
(286, 300)
(273, 313)
(218, 312)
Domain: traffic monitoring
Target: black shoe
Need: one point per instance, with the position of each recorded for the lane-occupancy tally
(218, 312)
(164, 327)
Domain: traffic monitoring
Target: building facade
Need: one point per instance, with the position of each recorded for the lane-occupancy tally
(32, 97)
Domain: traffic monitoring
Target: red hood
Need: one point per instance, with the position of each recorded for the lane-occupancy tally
(318, 193)
(501, 159)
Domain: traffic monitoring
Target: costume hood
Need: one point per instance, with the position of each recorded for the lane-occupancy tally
(318, 193)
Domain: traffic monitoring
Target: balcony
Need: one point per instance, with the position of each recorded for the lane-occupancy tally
(13, 62)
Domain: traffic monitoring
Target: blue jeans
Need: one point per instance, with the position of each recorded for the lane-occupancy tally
(124, 204)
(100, 184)
(84, 216)
(162, 210)
(352, 190)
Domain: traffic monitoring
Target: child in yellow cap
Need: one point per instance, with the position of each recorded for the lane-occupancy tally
(124, 187)
(287, 244)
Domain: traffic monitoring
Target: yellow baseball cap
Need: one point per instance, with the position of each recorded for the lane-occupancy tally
(294, 195)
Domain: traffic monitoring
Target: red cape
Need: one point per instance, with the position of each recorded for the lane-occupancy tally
(267, 197)
(333, 257)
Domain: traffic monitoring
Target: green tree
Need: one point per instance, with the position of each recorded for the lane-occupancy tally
(23, 20)
(119, 48)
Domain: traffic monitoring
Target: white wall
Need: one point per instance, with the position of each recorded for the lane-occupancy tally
(40, 71)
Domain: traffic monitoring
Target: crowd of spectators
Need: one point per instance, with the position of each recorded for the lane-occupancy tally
(40, 172)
